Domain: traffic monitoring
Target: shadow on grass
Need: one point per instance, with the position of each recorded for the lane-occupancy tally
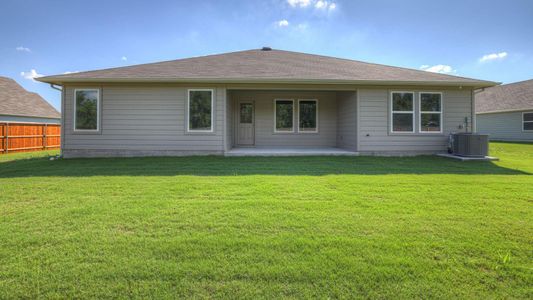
(512, 142)
(230, 166)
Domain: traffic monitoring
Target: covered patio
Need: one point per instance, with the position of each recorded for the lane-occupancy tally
(278, 122)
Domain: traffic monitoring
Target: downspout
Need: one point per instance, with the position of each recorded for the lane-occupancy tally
(56, 87)
(62, 137)
(474, 92)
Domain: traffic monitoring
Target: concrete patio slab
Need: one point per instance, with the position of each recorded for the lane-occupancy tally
(464, 158)
(326, 151)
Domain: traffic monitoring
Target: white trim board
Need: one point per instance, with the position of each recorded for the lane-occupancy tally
(316, 116)
(98, 108)
(392, 112)
(275, 116)
(524, 121)
(420, 112)
(189, 130)
(504, 111)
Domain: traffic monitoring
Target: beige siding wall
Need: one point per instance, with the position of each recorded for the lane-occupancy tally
(145, 120)
(503, 126)
(347, 120)
(374, 122)
(229, 121)
(150, 119)
(264, 118)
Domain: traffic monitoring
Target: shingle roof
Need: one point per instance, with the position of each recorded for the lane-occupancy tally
(16, 101)
(266, 66)
(508, 97)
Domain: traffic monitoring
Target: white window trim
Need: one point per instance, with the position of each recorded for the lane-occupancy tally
(275, 116)
(189, 110)
(97, 110)
(392, 112)
(524, 121)
(420, 112)
(298, 118)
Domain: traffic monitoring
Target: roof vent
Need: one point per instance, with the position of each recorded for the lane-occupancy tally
(266, 49)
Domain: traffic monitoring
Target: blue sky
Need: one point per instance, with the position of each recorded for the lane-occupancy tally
(490, 40)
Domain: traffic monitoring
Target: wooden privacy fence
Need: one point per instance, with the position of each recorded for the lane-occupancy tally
(24, 137)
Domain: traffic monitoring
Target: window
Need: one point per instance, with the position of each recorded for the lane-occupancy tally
(86, 109)
(430, 113)
(284, 115)
(307, 116)
(200, 117)
(402, 112)
(246, 113)
(527, 121)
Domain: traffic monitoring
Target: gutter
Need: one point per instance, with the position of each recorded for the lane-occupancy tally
(504, 111)
(26, 116)
(52, 85)
(473, 108)
(59, 81)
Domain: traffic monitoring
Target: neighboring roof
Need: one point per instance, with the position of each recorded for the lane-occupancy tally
(266, 66)
(508, 97)
(16, 101)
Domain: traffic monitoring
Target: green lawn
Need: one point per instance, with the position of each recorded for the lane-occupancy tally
(307, 227)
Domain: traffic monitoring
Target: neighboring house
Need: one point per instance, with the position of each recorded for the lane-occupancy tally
(253, 100)
(19, 105)
(505, 112)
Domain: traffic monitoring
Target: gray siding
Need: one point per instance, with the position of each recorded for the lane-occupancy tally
(347, 120)
(229, 121)
(144, 120)
(4, 118)
(264, 118)
(150, 119)
(374, 135)
(503, 126)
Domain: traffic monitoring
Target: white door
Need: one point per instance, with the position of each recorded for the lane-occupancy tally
(245, 127)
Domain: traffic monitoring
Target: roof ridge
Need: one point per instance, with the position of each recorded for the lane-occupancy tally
(8, 79)
(14, 84)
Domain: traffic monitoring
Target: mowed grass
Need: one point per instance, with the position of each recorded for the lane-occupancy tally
(306, 227)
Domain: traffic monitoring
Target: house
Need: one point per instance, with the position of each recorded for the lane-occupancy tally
(19, 105)
(262, 102)
(505, 112)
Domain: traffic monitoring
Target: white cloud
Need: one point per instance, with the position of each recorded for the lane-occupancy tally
(70, 72)
(23, 49)
(325, 5)
(321, 4)
(302, 26)
(299, 3)
(31, 75)
(493, 56)
(282, 23)
(444, 69)
(124, 58)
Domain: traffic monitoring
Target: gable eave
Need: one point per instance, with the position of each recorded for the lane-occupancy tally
(63, 80)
